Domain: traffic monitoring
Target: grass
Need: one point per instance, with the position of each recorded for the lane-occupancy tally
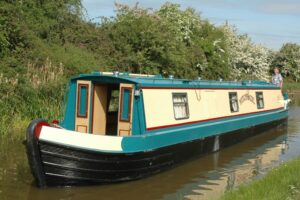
(39, 92)
(291, 86)
(280, 183)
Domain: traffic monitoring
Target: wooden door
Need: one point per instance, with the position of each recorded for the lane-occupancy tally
(125, 109)
(83, 106)
(99, 109)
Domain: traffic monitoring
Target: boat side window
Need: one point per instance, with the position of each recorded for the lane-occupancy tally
(82, 98)
(233, 100)
(125, 104)
(260, 100)
(180, 106)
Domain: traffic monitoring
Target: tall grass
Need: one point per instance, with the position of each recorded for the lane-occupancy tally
(289, 86)
(37, 94)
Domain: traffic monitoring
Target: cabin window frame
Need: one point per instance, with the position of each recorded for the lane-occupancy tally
(257, 100)
(79, 114)
(129, 106)
(231, 102)
(180, 103)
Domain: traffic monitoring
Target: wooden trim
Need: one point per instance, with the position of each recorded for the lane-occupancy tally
(86, 128)
(93, 107)
(210, 119)
(193, 88)
(121, 103)
(124, 130)
(78, 99)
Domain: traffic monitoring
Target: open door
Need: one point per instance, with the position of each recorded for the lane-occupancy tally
(125, 109)
(99, 109)
(83, 106)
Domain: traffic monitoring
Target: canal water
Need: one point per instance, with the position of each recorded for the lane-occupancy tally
(207, 177)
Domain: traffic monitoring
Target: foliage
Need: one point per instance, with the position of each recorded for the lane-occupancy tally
(288, 60)
(166, 41)
(247, 60)
(44, 43)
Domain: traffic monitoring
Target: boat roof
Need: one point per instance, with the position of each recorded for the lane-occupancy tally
(148, 81)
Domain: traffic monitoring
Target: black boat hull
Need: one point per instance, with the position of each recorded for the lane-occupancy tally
(57, 165)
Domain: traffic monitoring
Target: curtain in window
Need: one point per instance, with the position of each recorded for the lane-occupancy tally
(180, 106)
(234, 103)
(260, 101)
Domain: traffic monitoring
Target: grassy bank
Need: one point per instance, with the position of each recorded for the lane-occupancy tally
(282, 182)
(291, 86)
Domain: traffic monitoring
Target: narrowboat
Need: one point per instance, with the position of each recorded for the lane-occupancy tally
(119, 127)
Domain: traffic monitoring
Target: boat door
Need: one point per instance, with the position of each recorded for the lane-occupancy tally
(125, 109)
(83, 106)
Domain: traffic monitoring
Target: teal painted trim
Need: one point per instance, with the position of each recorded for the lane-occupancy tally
(83, 104)
(285, 96)
(177, 135)
(142, 115)
(69, 117)
(174, 83)
(205, 86)
(138, 125)
(135, 115)
(125, 104)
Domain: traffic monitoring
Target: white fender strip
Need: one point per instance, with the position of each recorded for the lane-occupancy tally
(81, 140)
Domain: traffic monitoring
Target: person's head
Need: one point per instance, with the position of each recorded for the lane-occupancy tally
(276, 70)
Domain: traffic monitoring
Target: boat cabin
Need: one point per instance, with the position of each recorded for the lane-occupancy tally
(122, 104)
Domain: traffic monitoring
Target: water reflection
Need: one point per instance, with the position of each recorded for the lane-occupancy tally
(204, 178)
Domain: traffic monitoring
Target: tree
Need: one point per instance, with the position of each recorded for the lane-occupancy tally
(248, 60)
(169, 41)
(288, 60)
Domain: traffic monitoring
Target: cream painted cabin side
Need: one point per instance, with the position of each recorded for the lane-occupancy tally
(204, 104)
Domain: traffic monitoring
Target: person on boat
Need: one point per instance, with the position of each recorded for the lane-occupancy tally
(277, 78)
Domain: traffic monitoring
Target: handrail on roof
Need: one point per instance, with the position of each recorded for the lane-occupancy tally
(128, 74)
(158, 78)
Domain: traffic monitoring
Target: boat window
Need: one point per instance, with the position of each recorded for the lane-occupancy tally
(82, 105)
(233, 100)
(180, 105)
(125, 104)
(260, 100)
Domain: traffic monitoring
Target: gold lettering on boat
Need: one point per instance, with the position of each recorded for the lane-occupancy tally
(247, 97)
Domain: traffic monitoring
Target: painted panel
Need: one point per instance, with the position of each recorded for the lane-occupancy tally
(125, 110)
(81, 129)
(99, 109)
(203, 104)
(83, 120)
